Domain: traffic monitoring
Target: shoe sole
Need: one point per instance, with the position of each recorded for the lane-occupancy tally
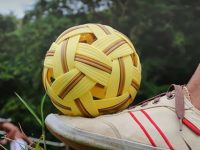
(83, 140)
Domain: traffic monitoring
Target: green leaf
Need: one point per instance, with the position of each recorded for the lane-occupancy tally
(42, 108)
(29, 108)
(37, 146)
(42, 118)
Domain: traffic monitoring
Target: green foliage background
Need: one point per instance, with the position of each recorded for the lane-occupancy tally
(166, 34)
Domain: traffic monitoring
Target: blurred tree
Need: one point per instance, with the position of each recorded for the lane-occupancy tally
(165, 34)
(9, 48)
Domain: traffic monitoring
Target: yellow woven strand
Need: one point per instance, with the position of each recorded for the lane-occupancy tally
(122, 51)
(74, 33)
(108, 102)
(48, 62)
(91, 107)
(57, 65)
(127, 40)
(103, 43)
(99, 33)
(91, 52)
(97, 75)
(136, 77)
(56, 98)
(113, 84)
(63, 80)
(81, 88)
(72, 47)
(128, 73)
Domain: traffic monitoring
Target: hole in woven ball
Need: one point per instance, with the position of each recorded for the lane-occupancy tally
(98, 91)
(99, 85)
(88, 38)
(50, 77)
(95, 98)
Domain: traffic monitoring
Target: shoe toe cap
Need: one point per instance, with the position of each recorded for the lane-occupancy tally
(68, 126)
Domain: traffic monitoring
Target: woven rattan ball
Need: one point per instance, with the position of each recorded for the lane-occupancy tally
(90, 70)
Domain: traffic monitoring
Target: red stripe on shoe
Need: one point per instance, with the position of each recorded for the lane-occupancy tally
(143, 129)
(158, 129)
(191, 126)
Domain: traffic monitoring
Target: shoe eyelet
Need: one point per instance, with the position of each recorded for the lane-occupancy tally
(155, 101)
(171, 97)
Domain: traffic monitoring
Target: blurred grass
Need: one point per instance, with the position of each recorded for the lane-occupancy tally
(40, 120)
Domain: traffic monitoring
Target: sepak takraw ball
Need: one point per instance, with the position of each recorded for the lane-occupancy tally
(90, 70)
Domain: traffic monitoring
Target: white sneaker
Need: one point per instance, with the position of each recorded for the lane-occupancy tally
(168, 121)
